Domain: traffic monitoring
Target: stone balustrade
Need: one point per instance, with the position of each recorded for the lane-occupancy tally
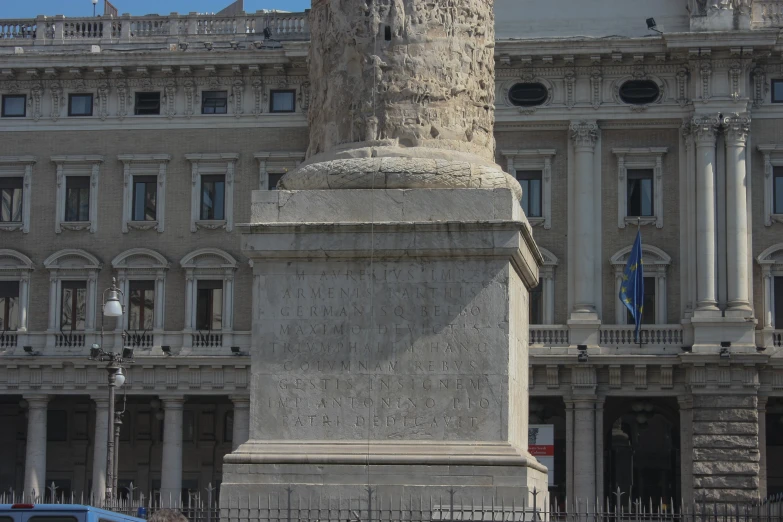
(548, 335)
(767, 13)
(61, 30)
(650, 335)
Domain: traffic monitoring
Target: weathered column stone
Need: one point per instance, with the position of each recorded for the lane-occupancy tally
(737, 258)
(241, 421)
(35, 458)
(569, 413)
(584, 449)
(100, 448)
(171, 468)
(725, 447)
(762, 403)
(686, 448)
(704, 130)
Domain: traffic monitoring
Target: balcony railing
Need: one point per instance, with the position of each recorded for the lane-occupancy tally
(8, 340)
(207, 340)
(767, 13)
(777, 338)
(660, 335)
(69, 340)
(548, 335)
(61, 30)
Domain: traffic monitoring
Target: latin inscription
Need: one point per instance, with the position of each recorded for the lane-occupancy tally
(404, 350)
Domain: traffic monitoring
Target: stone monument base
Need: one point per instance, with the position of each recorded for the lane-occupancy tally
(389, 346)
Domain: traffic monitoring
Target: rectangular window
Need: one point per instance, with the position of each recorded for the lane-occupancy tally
(14, 106)
(530, 180)
(141, 297)
(80, 105)
(777, 91)
(648, 310)
(282, 101)
(77, 198)
(147, 103)
(640, 193)
(214, 102)
(9, 305)
(11, 200)
(537, 304)
(213, 197)
(778, 291)
(274, 178)
(777, 191)
(209, 306)
(145, 195)
(74, 305)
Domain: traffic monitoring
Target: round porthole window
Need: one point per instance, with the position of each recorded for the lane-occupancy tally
(528, 94)
(639, 92)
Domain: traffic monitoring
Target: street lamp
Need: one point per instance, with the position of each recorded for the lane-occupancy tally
(112, 307)
(94, 3)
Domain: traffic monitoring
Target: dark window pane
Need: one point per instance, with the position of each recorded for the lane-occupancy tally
(640, 193)
(777, 91)
(778, 191)
(14, 105)
(56, 425)
(77, 198)
(147, 103)
(58, 518)
(80, 105)
(648, 310)
(214, 102)
(141, 299)
(145, 194)
(779, 303)
(537, 304)
(209, 306)
(283, 101)
(274, 178)
(213, 197)
(530, 180)
(9, 305)
(11, 200)
(74, 305)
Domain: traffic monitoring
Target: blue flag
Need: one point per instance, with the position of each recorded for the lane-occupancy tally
(632, 288)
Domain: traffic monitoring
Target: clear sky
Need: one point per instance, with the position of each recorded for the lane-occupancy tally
(31, 8)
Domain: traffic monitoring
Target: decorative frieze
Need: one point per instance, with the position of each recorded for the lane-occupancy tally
(640, 376)
(552, 376)
(615, 376)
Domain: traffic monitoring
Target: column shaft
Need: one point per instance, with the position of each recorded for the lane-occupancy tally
(569, 411)
(171, 470)
(99, 448)
(241, 421)
(705, 130)
(584, 450)
(737, 129)
(686, 449)
(584, 136)
(35, 458)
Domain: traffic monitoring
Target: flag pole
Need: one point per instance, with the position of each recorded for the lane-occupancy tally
(641, 259)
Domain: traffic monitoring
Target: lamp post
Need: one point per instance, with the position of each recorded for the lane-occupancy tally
(112, 307)
(94, 3)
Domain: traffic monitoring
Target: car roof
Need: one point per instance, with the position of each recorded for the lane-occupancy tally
(6, 508)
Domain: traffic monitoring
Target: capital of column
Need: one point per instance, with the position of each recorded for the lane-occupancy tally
(685, 402)
(173, 403)
(704, 130)
(586, 401)
(737, 129)
(36, 401)
(584, 134)
(240, 402)
(101, 402)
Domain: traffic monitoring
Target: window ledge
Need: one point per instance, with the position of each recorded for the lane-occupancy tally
(642, 220)
(143, 225)
(11, 227)
(75, 225)
(211, 224)
(536, 221)
(776, 218)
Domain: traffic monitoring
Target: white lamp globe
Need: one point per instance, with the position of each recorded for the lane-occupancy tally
(112, 308)
(119, 378)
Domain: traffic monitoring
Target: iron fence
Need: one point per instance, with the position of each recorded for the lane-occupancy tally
(290, 506)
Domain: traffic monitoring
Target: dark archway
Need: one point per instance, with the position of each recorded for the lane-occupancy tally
(642, 450)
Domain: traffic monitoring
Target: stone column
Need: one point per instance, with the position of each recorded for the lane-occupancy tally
(584, 136)
(241, 421)
(171, 468)
(99, 448)
(686, 448)
(725, 448)
(763, 446)
(569, 415)
(584, 450)
(35, 458)
(705, 130)
(737, 258)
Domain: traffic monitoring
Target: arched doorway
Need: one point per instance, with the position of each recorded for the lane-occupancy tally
(642, 450)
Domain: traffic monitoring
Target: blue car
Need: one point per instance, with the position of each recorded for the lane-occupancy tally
(60, 513)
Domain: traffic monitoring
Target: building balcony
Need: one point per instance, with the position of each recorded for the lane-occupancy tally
(58, 30)
(652, 338)
(768, 338)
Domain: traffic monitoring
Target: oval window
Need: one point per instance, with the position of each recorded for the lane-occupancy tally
(639, 92)
(528, 94)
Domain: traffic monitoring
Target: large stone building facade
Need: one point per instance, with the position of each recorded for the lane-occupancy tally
(130, 147)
